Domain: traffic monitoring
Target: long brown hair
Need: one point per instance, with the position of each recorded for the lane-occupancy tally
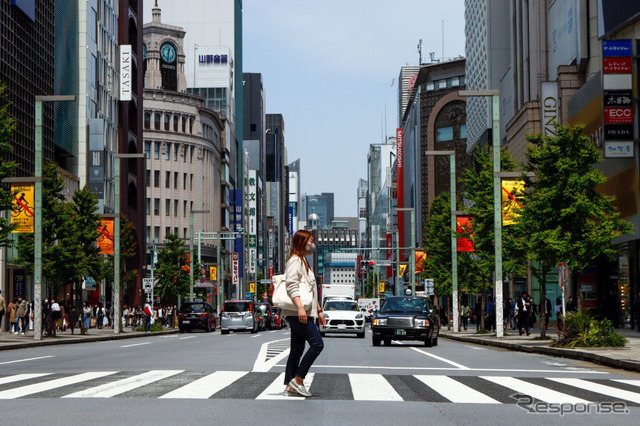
(298, 244)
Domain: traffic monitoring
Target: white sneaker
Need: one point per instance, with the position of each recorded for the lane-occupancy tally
(15, 332)
(22, 333)
(299, 388)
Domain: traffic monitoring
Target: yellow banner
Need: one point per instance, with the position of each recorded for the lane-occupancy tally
(213, 273)
(252, 287)
(105, 238)
(512, 190)
(402, 269)
(381, 287)
(23, 207)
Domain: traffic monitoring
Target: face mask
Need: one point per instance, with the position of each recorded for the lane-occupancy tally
(311, 249)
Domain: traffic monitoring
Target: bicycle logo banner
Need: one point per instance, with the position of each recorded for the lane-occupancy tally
(22, 210)
(512, 190)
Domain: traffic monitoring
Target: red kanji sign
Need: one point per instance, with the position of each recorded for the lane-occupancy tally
(613, 65)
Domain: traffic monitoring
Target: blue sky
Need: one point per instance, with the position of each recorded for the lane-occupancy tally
(328, 67)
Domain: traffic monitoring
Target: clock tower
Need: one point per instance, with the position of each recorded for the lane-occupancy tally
(163, 55)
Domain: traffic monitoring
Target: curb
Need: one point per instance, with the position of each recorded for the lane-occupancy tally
(557, 352)
(89, 339)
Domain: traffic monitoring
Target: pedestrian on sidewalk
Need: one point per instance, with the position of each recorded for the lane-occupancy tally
(532, 313)
(55, 315)
(13, 309)
(73, 317)
(571, 305)
(3, 309)
(86, 315)
(22, 315)
(513, 323)
(491, 315)
(147, 317)
(301, 322)
(523, 306)
(466, 313)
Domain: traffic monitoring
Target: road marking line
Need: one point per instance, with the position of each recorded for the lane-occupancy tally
(264, 365)
(628, 382)
(455, 391)
(274, 331)
(52, 384)
(206, 386)
(20, 377)
(188, 337)
(599, 388)
(257, 335)
(26, 359)
(498, 370)
(474, 348)
(276, 389)
(538, 392)
(372, 387)
(118, 387)
(135, 344)
(439, 358)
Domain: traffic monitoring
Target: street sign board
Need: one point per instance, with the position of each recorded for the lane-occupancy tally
(248, 295)
(388, 294)
(383, 263)
(147, 283)
(265, 281)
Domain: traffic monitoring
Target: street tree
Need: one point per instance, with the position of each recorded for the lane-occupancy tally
(480, 265)
(173, 269)
(565, 218)
(7, 168)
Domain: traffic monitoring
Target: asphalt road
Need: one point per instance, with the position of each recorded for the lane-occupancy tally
(237, 378)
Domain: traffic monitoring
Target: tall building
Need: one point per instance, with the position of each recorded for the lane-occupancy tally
(362, 192)
(322, 205)
(183, 141)
(294, 196)
(406, 81)
(276, 194)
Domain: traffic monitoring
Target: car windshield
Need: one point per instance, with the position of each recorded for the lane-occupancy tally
(236, 306)
(341, 306)
(405, 305)
(192, 307)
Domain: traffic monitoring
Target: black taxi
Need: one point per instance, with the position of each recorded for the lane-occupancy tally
(405, 318)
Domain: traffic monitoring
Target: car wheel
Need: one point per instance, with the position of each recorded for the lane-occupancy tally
(182, 330)
(435, 341)
(361, 335)
(208, 328)
(224, 331)
(254, 330)
(387, 342)
(322, 334)
(375, 340)
(428, 342)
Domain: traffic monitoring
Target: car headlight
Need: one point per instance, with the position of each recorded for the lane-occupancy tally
(326, 316)
(359, 316)
(380, 321)
(422, 323)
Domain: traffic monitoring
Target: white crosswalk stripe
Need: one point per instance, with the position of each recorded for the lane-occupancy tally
(276, 389)
(538, 392)
(599, 388)
(52, 384)
(180, 384)
(112, 389)
(455, 391)
(207, 386)
(372, 387)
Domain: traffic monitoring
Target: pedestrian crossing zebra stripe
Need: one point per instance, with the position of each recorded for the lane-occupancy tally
(179, 384)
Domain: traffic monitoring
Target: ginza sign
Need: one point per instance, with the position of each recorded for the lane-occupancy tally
(621, 115)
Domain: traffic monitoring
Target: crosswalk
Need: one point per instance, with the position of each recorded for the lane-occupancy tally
(181, 384)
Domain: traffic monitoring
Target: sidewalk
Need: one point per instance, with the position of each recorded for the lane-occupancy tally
(12, 341)
(627, 358)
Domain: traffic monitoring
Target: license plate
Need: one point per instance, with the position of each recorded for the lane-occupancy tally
(400, 332)
(342, 326)
(186, 322)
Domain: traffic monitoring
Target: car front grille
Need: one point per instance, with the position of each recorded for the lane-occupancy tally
(399, 322)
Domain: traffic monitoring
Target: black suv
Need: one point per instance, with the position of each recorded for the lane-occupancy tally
(268, 315)
(406, 318)
(196, 315)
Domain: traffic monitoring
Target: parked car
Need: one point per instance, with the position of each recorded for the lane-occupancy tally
(265, 308)
(194, 315)
(343, 316)
(405, 318)
(239, 315)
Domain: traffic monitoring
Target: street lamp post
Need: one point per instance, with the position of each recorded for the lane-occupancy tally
(37, 232)
(117, 322)
(454, 231)
(497, 210)
(413, 245)
(191, 272)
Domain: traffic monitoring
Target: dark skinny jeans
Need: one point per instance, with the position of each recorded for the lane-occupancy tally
(301, 333)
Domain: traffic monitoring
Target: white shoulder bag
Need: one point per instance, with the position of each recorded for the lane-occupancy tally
(281, 298)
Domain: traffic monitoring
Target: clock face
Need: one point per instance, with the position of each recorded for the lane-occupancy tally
(168, 53)
(144, 52)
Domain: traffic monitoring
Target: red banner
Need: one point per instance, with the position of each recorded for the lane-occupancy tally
(464, 223)
(105, 238)
(615, 65)
(400, 177)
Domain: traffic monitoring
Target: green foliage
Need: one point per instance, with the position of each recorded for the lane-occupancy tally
(372, 282)
(155, 327)
(173, 269)
(7, 168)
(437, 237)
(582, 330)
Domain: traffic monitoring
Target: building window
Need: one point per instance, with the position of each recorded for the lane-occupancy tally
(148, 179)
(175, 230)
(156, 206)
(167, 183)
(184, 182)
(175, 152)
(184, 233)
(156, 121)
(175, 123)
(147, 149)
(147, 209)
(166, 122)
(451, 122)
(191, 182)
(184, 209)
(167, 207)
(184, 124)
(156, 234)
(167, 152)
(191, 120)
(175, 208)
(147, 120)
(167, 231)
(156, 178)
(175, 180)
(156, 150)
